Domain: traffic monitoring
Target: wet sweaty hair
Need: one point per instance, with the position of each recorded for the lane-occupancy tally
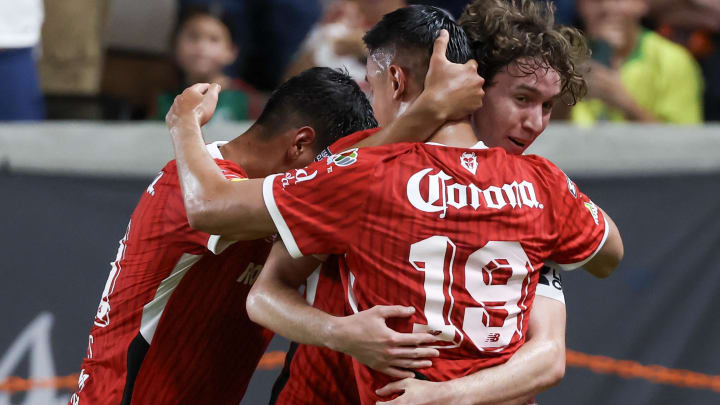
(407, 35)
(327, 100)
(523, 32)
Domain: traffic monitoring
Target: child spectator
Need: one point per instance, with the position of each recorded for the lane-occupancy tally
(636, 75)
(203, 48)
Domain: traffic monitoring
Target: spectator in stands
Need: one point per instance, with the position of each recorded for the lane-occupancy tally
(203, 48)
(268, 33)
(20, 26)
(635, 75)
(336, 41)
(696, 25)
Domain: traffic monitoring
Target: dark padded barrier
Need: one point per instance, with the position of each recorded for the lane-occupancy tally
(59, 234)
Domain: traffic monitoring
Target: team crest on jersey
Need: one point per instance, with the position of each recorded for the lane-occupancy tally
(593, 211)
(469, 161)
(344, 159)
(571, 186)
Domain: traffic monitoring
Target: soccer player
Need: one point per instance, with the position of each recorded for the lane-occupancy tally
(171, 326)
(487, 197)
(516, 110)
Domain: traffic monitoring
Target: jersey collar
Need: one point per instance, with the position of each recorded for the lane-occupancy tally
(479, 145)
(214, 149)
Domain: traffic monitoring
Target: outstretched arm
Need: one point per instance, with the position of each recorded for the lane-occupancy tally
(275, 303)
(213, 204)
(609, 256)
(452, 91)
(536, 366)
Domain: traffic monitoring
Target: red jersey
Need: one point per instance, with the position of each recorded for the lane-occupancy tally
(312, 374)
(171, 326)
(460, 234)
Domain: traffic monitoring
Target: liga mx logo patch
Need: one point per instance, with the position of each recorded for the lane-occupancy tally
(346, 158)
(593, 211)
(469, 161)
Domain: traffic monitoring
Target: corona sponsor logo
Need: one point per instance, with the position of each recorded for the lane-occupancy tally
(443, 193)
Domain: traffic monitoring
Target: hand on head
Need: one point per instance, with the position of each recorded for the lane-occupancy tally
(456, 86)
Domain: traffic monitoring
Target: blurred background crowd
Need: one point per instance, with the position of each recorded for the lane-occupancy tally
(653, 60)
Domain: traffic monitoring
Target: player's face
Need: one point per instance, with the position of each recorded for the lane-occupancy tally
(380, 89)
(204, 47)
(516, 108)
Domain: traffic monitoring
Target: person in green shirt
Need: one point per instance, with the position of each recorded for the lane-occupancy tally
(203, 48)
(635, 75)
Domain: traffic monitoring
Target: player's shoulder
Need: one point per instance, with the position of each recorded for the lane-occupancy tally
(541, 165)
(346, 142)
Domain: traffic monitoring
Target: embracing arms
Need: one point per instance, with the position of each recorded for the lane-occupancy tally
(236, 210)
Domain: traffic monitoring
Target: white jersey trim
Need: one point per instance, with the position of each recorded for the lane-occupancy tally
(278, 219)
(215, 243)
(573, 266)
(312, 285)
(214, 149)
(478, 145)
(153, 310)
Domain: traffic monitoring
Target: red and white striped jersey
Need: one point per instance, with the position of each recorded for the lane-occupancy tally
(171, 326)
(460, 234)
(312, 374)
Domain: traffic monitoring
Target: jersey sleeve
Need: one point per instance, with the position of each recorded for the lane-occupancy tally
(582, 229)
(216, 243)
(316, 209)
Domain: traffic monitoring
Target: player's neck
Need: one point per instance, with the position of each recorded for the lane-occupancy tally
(255, 156)
(458, 134)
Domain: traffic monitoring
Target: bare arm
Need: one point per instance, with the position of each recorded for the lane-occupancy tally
(452, 91)
(609, 256)
(275, 303)
(213, 204)
(536, 366)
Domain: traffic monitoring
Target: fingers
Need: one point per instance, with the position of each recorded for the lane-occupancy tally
(396, 372)
(393, 387)
(411, 364)
(473, 64)
(413, 339)
(440, 45)
(414, 352)
(394, 311)
(214, 90)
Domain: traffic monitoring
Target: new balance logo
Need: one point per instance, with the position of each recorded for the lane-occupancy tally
(492, 338)
(251, 273)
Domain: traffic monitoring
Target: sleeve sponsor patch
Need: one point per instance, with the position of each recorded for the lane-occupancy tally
(593, 211)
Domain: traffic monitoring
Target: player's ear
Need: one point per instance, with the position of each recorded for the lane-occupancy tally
(303, 141)
(398, 81)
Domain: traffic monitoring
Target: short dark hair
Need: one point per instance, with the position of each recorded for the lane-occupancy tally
(325, 99)
(411, 32)
(502, 32)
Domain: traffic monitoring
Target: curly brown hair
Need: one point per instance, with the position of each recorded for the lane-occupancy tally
(523, 32)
